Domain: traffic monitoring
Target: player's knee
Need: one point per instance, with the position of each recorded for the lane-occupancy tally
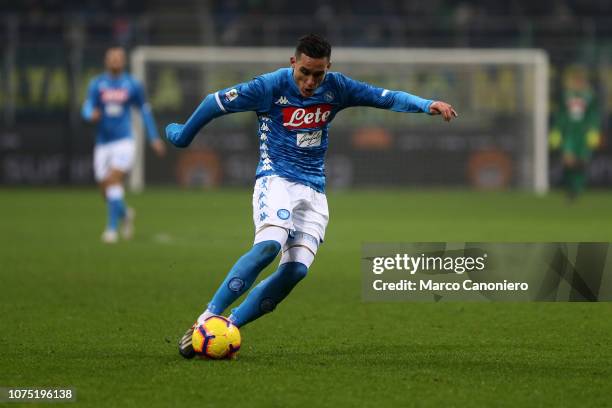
(272, 233)
(293, 271)
(267, 250)
(301, 248)
(114, 191)
(115, 176)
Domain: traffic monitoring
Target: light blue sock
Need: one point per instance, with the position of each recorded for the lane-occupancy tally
(243, 274)
(121, 209)
(116, 205)
(116, 212)
(269, 292)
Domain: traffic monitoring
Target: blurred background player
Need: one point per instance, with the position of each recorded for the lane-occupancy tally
(576, 129)
(109, 99)
(294, 107)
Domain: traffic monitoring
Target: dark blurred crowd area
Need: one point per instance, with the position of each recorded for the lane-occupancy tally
(568, 29)
(51, 48)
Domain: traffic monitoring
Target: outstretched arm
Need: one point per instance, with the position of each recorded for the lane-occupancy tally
(149, 121)
(90, 111)
(182, 135)
(363, 94)
(248, 96)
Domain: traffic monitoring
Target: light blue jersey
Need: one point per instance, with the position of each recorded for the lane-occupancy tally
(292, 129)
(113, 96)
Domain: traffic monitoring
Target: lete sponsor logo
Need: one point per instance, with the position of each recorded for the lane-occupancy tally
(118, 95)
(309, 117)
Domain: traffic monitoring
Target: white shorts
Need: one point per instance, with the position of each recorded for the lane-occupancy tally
(117, 155)
(294, 206)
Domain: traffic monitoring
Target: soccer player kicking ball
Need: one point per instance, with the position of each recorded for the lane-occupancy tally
(109, 99)
(295, 107)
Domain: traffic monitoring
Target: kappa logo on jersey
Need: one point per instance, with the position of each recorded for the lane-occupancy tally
(231, 95)
(114, 95)
(310, 117)
(283, 100)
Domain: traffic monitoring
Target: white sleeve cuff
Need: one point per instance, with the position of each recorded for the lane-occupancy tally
(219, 102)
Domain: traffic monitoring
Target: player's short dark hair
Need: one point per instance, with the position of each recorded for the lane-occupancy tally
(314, 46)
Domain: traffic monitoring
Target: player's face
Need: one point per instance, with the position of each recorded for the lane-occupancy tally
(577, 82)
(309, 73)
(115, 60)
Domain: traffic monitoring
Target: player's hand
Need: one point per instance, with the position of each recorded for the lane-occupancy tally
(554, 139)
(158, 147)
(96, 115)
(593, 139)
(173, 134)
(444, 109)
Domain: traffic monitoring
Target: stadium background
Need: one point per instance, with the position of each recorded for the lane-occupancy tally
(52, 48)
(105, 319)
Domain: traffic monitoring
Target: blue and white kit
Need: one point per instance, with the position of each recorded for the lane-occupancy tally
(113, 96)
(293, 139)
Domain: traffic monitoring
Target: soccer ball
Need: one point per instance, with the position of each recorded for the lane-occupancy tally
(216, 338)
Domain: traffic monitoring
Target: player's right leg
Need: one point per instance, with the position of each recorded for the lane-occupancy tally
(574, 174)
(268, 243)
(298, 255)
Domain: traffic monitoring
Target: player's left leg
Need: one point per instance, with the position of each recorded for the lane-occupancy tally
(578, 180)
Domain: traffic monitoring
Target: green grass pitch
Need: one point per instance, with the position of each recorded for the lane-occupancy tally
(106, 319)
